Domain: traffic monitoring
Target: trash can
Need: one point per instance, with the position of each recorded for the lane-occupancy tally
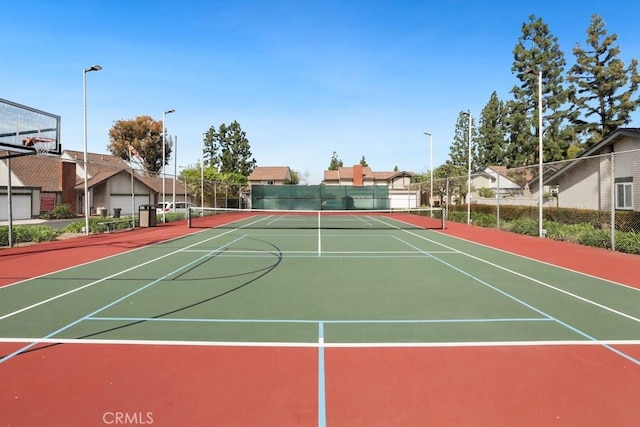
(102, 212)
(147, 215)
(116, 212)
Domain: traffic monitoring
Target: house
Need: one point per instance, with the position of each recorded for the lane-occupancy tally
(603, 176)
(109, 183)
(401, 194)
(270, 175)
(496, 179)
(39, 183)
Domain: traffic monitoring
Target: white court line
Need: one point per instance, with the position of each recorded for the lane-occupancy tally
(323, 343)
(96, 260)
(524, 276)
(72, 291)
(232, 252)
(540, 282)
(541, 262)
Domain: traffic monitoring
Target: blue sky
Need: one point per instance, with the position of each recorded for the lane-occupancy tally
(303, 78)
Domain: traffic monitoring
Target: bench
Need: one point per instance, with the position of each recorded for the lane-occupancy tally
(111, 225)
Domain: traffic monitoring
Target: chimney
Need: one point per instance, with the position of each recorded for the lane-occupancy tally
(358, 179)
(67, 182)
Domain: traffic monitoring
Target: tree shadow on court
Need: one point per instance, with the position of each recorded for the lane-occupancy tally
(261, 273)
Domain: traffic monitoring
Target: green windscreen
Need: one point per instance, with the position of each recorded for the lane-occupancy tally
(319, 197)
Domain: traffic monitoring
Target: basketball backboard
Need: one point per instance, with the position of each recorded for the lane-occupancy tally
(25, 130)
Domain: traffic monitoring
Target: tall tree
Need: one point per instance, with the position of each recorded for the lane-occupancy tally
(363, 162)
(538, 53)
(228, 148)
(335, 162)
(140, 140)
(603, 88)
(491, 140)
(211, 148)
(459, 149)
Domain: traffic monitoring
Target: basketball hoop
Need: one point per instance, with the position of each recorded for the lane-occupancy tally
(43, 148)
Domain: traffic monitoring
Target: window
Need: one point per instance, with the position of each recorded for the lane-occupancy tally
(624, 199)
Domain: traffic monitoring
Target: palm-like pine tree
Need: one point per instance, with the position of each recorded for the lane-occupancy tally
(537, 51)
(491, 133)
(603, 88)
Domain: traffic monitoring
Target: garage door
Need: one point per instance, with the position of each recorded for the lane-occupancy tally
(21, 207)
(124, 203)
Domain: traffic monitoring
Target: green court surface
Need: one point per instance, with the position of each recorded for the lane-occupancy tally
(301, 286)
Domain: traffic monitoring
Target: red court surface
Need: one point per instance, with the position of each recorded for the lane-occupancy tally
(606, 264)
(481, 386)
(85, 385)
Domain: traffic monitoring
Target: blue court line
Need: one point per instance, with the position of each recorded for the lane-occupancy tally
(519, 301)
(111, 304)
(322, 401)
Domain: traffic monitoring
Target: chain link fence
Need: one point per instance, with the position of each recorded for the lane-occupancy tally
(593, 200)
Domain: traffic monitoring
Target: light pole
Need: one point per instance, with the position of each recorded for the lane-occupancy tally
(430, 171)
(540, 152)
(84, 109)
(175, 171)
(202, 174)
(164, 155)
(469, 172)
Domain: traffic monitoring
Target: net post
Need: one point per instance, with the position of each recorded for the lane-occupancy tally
(188, 217)
(443, 215)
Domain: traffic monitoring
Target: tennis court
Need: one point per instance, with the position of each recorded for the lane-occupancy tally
(319, 320)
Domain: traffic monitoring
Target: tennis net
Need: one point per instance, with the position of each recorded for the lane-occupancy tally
(419, 218)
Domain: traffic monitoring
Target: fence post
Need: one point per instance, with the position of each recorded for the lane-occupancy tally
(447, 195)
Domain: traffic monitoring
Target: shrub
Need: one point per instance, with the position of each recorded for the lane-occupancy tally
(95, 225)
(594, 237)
(457, 216)
(628, 242)
(171, 216)
(583, 226)
(527, 226)
(569, 232)
(27, 233)
(486, 192)
(59, 212)
(484, 220)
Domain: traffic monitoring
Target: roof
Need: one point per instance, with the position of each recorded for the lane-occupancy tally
(99, 177)
(155, 183)
(270, 173)
(367, 173)
(97, 162)
(392, 175)
(44, 171)
(38, 171)
(502, 170)
(608, 140)
(493, 171)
